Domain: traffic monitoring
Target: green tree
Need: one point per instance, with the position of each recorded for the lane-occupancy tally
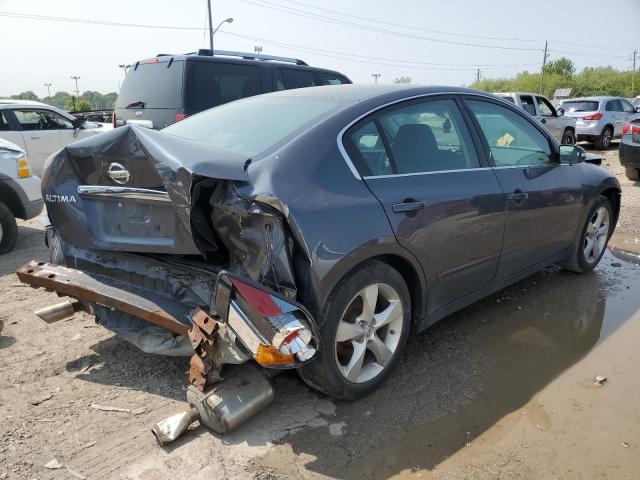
(83, 106)
(561, 66)
(28, 95)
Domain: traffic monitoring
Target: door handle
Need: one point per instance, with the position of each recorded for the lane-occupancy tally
(518, 196)
(35, 138)
(408, 205)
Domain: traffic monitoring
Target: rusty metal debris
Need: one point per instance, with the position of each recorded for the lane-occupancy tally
(203, 334)
(79, 285)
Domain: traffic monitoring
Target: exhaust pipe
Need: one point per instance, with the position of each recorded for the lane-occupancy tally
(59, 311)
(224, 407)
(171, 428)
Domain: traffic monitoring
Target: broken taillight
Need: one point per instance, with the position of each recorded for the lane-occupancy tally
(631, 129)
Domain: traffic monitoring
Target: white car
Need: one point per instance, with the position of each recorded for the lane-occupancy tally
(41, 129)
(20, 195)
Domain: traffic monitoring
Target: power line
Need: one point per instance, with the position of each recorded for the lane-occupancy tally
(323, 18)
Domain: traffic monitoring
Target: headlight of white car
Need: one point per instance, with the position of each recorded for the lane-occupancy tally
(23, 169)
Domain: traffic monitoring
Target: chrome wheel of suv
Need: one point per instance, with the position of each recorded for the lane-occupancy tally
(369, 333)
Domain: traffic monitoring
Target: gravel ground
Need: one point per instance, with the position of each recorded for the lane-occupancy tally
(456, 384)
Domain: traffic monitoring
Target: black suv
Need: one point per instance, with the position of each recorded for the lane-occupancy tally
(164, 89)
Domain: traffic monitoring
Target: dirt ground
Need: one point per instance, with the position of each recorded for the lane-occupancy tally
(501, 390)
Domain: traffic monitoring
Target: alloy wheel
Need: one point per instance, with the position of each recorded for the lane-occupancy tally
(595, 238)
(369, 333)
(606, 138)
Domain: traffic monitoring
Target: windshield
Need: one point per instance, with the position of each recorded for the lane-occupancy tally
(580, 106)
(152, 85)
(253, 126)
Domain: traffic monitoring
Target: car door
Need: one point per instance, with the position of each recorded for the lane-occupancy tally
(442, 200)
(546, 115)
(543, 197)
(44, 132)
(616, 114)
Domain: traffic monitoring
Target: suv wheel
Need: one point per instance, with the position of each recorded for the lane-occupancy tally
(604, 140)
(568, 137)
(8, 229)
(364, 327)
(593, 238)
(632, 173)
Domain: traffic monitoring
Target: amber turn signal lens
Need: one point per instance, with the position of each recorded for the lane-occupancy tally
(268, 355)
(24, 169)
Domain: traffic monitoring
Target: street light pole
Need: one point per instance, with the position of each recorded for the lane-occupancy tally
(125, 68)
(210, 25)
(228, 20)
(48, 85)
(76, 78)
(376, 76)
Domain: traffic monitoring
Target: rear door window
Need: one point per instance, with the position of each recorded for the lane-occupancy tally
(331, 78)
(209, 84)
(154, 84)
(296, 78)
(613, 106)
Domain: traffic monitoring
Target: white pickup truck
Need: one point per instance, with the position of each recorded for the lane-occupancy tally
(561, 126)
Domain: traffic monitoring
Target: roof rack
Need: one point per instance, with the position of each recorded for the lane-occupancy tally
(249, 56)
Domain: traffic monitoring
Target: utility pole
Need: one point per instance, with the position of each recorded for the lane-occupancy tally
(210, 25)
(376, 76)
(478, 76)
(76, 78)
(544, 64)
(48, 85)
(633, 75)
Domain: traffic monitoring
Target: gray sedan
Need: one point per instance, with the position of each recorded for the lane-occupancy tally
(319, 227)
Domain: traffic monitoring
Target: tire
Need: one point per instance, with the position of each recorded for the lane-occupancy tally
(336, 361)
(581, 262)
(8, 229)
(55, 249)
(604, 140)
(568, 137)
(632, 173)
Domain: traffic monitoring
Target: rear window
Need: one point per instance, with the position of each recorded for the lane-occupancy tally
(154, 84)
(255, 126)
(209, 84)
(331, 79)
(580, 106)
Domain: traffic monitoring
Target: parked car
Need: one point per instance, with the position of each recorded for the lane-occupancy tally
(332, 221)
(560, 125)
(162, 90)
(19, 193)
(41, 129)
(630, 149)
(599, 119)
(636, 102)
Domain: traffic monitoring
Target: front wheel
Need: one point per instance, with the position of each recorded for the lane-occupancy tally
(593, 239)
(364, 327)
(568, 137)
(8, 229)
(604, 140)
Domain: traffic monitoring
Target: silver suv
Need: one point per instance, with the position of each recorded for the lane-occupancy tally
(561, 126)
(600, 119)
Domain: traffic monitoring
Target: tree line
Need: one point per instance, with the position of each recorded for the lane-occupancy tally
(89, 100)
(561, 73)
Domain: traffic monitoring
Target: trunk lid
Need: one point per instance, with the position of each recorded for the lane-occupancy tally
(130, 190)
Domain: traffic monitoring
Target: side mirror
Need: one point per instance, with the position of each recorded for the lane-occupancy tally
(77, 122)
(560, 112)
(572, 154)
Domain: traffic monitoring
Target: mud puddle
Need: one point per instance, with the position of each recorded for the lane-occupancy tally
(460, 378)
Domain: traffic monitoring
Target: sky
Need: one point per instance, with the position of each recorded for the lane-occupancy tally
(432, 41)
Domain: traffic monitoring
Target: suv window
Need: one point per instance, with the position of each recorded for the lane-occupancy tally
(581, 105)
(511, 138)
(627, 107)
(424, 136)
(613, 106)
(42, 120)
(527, 104)
(4, 125)
(545, 108)
(209, 84)
(331, 79)
(154, 84)
(296, 78)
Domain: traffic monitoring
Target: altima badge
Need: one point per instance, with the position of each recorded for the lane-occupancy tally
(118, 173)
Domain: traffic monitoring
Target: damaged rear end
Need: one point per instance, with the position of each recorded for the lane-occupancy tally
(163, 241)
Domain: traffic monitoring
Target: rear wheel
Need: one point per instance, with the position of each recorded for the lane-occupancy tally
(568, 137)
(364, 327)
(632, 173)
(604, 140)
(593, 239)
(8, 229)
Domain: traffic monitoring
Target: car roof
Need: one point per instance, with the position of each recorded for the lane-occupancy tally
(13, 101)
(593, 98)
(38, 105)
(517, 93)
